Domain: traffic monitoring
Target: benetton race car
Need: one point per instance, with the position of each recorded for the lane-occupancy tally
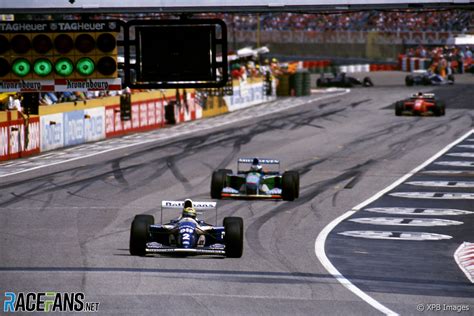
(255, 182)
(424, 77)
(342, 81)
(420, 104)
(186, 235)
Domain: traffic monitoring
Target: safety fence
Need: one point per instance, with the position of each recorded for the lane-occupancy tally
(342, 37)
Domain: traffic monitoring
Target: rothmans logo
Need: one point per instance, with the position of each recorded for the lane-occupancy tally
(198, 205)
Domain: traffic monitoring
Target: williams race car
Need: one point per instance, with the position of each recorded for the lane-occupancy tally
(420, 104)
(255, 182)
(186, 235)
(342, 81)
(424, 77)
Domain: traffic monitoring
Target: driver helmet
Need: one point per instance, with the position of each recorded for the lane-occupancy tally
(188, 203)
(189, 212)
(256, 165)
(419, 94)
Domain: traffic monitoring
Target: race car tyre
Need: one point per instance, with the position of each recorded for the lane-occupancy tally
(367, 82)
(296, 181)
(234, 236)
(398, 108)
(346, 83)
(139, 234)
(288, 187)
(426, 80)
(440, 108)
(319, 83)
(218, 182)
(409, 81)
(450, 79)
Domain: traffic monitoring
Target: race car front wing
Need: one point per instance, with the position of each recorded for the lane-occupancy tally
(190, 251)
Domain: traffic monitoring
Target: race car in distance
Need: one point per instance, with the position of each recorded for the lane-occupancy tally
(255, 182)
(420, 104)
(426, 77)
(186, 234)
(341, 80)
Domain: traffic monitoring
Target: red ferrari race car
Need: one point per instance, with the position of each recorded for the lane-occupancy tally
(420, 104)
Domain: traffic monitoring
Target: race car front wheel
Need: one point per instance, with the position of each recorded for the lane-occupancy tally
(139, 234)
(234, 236)
(409, 80)
(399, 108)
(288, 187)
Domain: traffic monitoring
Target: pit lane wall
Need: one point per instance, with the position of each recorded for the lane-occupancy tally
(245, 93)
(74, 123)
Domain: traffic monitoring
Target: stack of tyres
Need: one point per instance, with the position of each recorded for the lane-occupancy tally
(296, 84)
(283, 88)
(306, 83)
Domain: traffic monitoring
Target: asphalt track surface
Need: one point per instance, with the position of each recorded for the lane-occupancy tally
(66, 227)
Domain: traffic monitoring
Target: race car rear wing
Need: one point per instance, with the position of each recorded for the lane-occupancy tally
(198, 206)
(424, 95)
(261, 161)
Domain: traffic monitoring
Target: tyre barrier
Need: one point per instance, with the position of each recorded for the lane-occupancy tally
(283, 88)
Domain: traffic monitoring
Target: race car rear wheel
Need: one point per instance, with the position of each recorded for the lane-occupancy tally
(409, 80)
(367, 82)
(139, 234)
(234, 236)
(398, 108)
(450, 79)
(288, 187)
(296, 181)
(218, 182)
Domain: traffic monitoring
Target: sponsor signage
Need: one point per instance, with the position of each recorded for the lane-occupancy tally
(60, 85)
(180, 204)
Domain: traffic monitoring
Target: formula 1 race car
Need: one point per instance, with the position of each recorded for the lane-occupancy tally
(186, 235)
(420, 104)
(342, 81)
(255, 182)
(424, 77)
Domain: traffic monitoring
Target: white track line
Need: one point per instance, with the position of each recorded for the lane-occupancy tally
(319, 246)
(185, 132)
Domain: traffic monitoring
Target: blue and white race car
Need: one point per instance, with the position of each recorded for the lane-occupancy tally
(186, 234)
(426, 77)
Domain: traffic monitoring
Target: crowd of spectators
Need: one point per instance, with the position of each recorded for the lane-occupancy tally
(385, 21)
(454, 59)
(449, 20)
(445, 20)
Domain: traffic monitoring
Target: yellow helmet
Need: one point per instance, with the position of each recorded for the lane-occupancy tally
(189, 212)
